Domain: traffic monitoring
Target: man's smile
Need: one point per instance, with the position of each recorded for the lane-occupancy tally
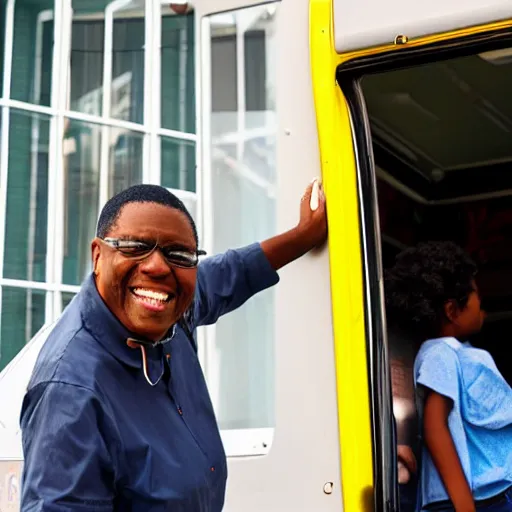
(154, 300)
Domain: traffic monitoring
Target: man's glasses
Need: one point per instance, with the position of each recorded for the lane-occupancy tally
(138, 250)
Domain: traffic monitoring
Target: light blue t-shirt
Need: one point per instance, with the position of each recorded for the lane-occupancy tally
(480, 421)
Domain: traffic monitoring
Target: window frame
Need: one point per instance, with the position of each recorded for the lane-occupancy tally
(59, 112)
(379, 372)
(245, 442)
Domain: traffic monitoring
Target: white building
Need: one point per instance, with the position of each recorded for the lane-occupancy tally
(98, 96)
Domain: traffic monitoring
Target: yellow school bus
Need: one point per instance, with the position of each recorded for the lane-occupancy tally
(405, 111)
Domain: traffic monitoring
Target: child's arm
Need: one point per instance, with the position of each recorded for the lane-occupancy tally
(442, 450)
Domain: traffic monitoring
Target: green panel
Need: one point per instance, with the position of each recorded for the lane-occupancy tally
(126, 161)
(22, 316)
(25, 68)
(81, 169)
(128, 60)
(178, 109)
(178, 101)
(3, 4)
(90, 6)
(27, 197)
(86, 70)
(178, 164)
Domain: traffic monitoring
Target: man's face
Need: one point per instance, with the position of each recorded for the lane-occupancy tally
(148, 295)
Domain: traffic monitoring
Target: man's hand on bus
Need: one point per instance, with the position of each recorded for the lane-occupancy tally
(313, 221)
(310, 232)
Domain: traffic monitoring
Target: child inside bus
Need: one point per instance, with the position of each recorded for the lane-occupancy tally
(464, 403)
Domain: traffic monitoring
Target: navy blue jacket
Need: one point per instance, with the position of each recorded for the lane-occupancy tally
(98, 437)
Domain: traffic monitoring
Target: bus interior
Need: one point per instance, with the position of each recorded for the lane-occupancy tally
(441, 137)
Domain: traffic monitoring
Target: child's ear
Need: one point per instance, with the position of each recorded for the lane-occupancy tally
(451, 311)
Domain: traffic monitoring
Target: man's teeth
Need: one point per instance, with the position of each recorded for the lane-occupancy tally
(151, 294)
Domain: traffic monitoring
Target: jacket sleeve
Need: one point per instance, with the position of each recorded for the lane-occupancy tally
(227, 281)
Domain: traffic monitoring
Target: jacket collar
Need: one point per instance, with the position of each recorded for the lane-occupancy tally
(111, 333)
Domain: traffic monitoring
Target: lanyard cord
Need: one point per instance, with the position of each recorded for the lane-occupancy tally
(131, 342)
(145, 367)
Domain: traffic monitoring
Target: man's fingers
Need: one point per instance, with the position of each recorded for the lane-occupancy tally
(307, 193)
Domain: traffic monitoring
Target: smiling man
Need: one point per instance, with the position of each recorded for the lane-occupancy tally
(117, 416)
(148, 301)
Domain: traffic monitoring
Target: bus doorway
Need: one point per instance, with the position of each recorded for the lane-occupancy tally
(440, 134)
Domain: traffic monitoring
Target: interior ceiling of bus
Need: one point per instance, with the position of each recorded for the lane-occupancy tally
(442, 140)
(444, 130)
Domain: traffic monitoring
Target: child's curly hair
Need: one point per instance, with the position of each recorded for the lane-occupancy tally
(422, 281)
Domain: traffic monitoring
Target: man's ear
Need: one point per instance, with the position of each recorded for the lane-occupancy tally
(451, 311)
(96, 253)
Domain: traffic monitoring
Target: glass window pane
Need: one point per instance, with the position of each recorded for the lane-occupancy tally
(189, 199)
(22, 316)
(125, 167)
(82, 143)
(66, 299)
(177, 67)
(86, 61)
(128, 63)
(178, 164)
(224, 71)
(87, 58)
(27, 197)
(31, 78)
(243, 149)
(3, 4)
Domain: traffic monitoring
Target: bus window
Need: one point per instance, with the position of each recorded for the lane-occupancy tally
(241, 166)
(440, 136)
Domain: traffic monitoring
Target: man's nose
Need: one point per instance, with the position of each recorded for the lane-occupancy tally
(155, 264)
